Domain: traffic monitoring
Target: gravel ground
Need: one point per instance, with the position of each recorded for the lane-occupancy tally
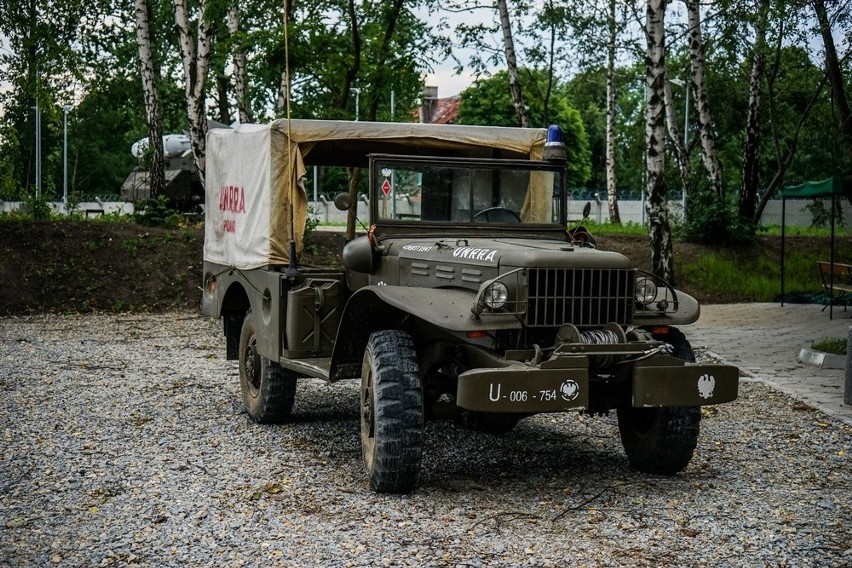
(124, 443)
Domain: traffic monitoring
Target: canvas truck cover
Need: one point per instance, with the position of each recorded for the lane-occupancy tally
(254, 185)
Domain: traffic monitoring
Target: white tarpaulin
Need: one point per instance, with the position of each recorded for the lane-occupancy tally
(249, 196)
(253, 191)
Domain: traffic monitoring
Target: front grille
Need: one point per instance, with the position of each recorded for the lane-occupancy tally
(580, 296)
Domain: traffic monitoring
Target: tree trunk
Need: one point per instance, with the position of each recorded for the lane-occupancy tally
(353, 174)
(751, 145)
(611, 189)
(512, 64)
(284, 84)
(376, 93)
(835, 76)
(196, 63)
(156, 172)
(680, 150)
(238, 57)
(706, 133)
(659, 232)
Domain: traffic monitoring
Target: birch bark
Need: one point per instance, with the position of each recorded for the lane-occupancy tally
(156, 173)
(659, 231)
(706, 133)
(512, 64)
(611, 187)
(196, 64)
(239, 60)
(751, 145)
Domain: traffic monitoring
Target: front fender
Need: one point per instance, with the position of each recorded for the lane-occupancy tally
(375, 308)
(688, 311)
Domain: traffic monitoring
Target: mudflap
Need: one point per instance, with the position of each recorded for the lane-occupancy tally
(684, 385)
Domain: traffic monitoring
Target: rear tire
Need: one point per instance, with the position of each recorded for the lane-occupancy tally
(268, 390)
(391, 412)
(661, 440)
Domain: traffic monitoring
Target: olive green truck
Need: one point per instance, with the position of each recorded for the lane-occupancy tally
(470, 296)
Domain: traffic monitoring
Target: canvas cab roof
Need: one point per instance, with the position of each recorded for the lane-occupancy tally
(255, 199)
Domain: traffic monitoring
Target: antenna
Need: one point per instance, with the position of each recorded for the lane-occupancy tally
(292, 272)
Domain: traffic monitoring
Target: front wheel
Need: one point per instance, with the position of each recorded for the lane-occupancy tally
(391, 412)
(661, 440)
(268, 389)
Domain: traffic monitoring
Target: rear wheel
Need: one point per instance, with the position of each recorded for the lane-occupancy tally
(268, 389)
(391, 412)
(661, 440)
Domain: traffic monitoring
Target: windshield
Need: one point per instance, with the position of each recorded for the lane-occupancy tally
(454, 191)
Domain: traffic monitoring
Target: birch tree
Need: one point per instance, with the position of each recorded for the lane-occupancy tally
(611, 187)
(195, 55)
(512, 63)
(659, 232)
(238, 57)
(156, 173)
(706, 132)
(751, 145)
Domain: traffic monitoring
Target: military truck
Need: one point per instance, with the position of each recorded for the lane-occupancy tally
(470, 295)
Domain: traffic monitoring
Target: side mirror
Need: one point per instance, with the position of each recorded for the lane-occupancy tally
(587, 208)
(341, 201)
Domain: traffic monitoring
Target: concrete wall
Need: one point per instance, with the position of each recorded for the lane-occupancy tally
(631, 211)
(87, 208)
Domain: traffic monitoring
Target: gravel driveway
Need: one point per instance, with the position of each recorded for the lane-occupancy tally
(124, 443)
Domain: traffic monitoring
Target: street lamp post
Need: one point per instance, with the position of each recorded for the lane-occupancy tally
(685, 85)
(65, 110)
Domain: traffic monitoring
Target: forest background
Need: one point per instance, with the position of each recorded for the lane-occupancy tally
(728, 100)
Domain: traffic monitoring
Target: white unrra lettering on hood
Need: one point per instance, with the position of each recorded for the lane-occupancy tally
(472, 253)
(416, 248)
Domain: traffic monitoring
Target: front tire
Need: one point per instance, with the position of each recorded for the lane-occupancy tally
(268, 390)
(661, 440)
(391, 412)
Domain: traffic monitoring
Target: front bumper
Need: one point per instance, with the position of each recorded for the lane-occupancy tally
(562, 384)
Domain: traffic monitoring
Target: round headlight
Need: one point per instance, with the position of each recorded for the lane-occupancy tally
(646, 291)
(495, 295)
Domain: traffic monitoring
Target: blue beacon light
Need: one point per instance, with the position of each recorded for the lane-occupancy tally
(554, 149)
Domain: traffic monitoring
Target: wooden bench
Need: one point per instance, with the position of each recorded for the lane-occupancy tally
(840, 284)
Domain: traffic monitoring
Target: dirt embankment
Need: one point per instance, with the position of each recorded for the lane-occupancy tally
(82, 266)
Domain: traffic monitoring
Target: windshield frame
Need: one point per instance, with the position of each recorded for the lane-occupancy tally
(394, 160)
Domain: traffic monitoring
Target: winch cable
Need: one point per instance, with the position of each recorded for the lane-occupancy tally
(601, 337)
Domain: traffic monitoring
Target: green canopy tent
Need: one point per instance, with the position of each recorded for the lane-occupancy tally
(830, 187)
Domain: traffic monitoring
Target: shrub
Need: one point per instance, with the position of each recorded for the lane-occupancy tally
(714, 221)
(156, 213)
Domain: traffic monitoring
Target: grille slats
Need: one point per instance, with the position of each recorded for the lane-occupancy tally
(580, 296)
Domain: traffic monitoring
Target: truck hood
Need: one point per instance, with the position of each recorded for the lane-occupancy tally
(504, 253)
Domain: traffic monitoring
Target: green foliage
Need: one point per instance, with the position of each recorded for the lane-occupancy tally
(489, 102)
(833, 346)
(311, 224)
(822, 215)
(714, 221)
(608, 228)
(723, 273)
(37, 207)
(157, 213)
